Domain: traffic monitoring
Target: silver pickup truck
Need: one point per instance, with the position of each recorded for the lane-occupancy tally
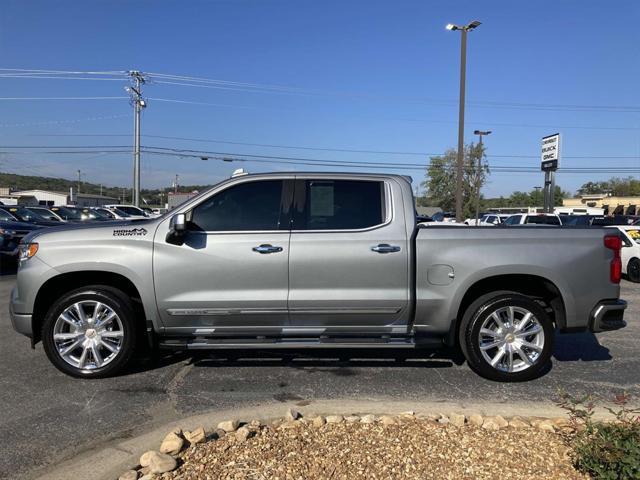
(293, 260)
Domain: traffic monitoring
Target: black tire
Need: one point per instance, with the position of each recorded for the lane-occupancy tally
(469, 336)
(119, 303)
(633, 270)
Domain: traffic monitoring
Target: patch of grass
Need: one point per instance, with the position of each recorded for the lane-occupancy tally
(605, 450)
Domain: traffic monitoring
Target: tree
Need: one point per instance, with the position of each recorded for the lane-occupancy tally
(534, 198)
(440, 180)
(621, 187)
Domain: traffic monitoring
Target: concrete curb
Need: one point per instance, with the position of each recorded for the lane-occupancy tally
(116, 457)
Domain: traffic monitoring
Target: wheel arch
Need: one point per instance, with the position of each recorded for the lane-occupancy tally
(58, 285)
(540, 288)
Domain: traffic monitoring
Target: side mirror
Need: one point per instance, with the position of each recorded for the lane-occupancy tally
(177, 228)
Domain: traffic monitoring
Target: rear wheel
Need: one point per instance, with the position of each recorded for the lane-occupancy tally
(633, 270)
(90, 332)
(507, 337)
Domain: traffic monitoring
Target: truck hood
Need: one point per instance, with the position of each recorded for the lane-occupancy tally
(89, 231)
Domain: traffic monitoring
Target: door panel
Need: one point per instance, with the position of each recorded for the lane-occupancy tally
(336, 278)
(232, 269)
(218, 280)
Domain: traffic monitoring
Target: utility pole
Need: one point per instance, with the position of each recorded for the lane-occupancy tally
(175, 184)
(464, 29)
(79, 175)
(138, 103)
(480, 134)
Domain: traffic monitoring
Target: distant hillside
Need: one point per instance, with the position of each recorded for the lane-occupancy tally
(30, 182)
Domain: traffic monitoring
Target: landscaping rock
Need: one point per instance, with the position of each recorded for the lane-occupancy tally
(195, 436)
(219, 433)
(242, 434)
(547, 426)
(457, 419)
(129, 475)
(158, 462)
(494, 423)
(368, 419)
(443, 419)
(319, 421)
(292, 415)
(335, 419)
(476, 420)
(388, 420)
(517, 422)
(172, 443)
(229, 425)
(352, 419)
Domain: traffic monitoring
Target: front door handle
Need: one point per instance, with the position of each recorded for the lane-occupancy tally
(385, 248)
(266, 248)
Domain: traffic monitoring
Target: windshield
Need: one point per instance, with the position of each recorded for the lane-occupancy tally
(67, 213)
(24, 214)
(101, 214)
(634, 235)
(131, 210)
(44, 213)
(6, 216)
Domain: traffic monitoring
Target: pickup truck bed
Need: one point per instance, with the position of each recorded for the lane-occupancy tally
(313, 260)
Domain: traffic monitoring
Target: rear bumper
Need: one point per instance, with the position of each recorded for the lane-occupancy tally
(608, 315)
(21, 322)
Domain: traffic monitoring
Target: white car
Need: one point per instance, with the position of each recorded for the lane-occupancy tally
(132, 211)
(533, 219)
(488, 220)
(630, 253)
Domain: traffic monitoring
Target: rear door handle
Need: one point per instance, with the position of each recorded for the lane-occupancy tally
(266, 248)
(385, 248)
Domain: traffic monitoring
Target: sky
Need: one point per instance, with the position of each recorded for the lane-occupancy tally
(332, 76)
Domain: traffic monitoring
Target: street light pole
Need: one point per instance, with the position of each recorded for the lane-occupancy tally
(463, 73)
(138, 105)
(480, 134)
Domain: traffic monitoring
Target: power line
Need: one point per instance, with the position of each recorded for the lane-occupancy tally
(344, 150)
(62, 98)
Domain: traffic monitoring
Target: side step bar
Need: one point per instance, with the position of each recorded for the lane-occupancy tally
(277, 343)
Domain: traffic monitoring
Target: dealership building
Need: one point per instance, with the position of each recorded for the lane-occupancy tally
(49, 199)
(611, 205)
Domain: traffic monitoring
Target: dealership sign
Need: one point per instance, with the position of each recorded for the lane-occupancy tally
(550, 156)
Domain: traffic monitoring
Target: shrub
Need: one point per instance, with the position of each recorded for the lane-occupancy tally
(605, 450)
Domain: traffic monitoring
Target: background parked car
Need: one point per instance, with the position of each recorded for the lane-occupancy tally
(46, 213)
(533, 219)
(444, 217)
(133, 212)
(488, 219)
(25, 215)
(630, 252)
(11, 232)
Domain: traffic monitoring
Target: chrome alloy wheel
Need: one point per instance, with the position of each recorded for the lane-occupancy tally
(511, 339)
(88, 335)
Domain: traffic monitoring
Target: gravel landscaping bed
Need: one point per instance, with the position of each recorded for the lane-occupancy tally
(388, 447)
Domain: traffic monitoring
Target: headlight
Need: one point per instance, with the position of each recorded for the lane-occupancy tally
(26, 251)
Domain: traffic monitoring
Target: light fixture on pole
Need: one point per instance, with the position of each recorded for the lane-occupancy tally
(463, 67)
(480, 134)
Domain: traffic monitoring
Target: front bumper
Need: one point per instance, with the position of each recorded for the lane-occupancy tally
(608, 315)
(21, 322)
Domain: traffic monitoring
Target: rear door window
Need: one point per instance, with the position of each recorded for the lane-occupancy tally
(338, 204)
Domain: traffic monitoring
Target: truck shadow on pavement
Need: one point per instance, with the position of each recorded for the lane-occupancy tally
(580, 346)
(344, 363)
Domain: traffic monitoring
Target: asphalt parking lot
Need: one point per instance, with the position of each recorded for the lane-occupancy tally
(48, 417)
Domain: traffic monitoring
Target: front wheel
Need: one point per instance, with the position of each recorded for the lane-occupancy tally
(507, 337)
(633, 270)
(90, 332)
